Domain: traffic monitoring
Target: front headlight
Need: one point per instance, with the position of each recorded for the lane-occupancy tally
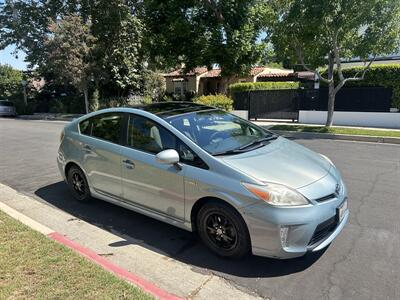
(276, 194)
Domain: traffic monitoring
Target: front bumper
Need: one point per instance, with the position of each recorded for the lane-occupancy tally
(292, 232)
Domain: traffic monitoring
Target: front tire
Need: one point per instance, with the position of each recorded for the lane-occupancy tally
(78, 184)
(223, 230)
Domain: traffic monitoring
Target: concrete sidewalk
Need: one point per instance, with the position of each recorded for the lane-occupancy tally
(132, 255)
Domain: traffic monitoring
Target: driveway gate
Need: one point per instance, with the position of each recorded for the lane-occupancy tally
(269, 104)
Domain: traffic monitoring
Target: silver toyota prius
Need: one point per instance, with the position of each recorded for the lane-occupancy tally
(242, 188)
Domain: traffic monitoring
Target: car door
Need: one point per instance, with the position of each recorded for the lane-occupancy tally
(101, 136)
(145, 182)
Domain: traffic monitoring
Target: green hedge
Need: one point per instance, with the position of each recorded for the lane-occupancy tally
(250, 86)
(387, 76)
(220, 101)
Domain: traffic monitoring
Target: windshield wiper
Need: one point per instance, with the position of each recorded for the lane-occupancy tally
(229, 152)
(241, 149)
(258, 141)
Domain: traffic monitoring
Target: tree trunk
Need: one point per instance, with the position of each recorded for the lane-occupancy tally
(86, 93)
(332, 94)
(331, 105)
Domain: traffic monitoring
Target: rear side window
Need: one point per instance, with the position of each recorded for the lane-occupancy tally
(85, 127)
(105, 126)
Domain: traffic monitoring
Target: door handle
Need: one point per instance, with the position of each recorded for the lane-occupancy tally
(87, 148)
(129, 164)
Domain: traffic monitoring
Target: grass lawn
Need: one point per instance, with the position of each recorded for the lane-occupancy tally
(35, 267)
(338, 130)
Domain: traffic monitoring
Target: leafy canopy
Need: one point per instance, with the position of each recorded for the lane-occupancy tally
(69, 51)
(313, 29)
(203, 33)
(10, 82)
(114, 25)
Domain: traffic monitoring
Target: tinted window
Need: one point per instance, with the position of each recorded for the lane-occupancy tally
(85, 127)
(105, 126)
(146, 135)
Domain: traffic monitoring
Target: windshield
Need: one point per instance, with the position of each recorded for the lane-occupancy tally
(219, 132)
(6, 103)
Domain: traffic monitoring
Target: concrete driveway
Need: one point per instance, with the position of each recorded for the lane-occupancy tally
(362, 263)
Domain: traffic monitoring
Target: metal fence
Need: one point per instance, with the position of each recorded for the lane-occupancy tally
(271, 104)
(285, 104)
(361, 99)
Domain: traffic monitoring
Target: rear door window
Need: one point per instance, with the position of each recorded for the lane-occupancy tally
(148, 136)
(105, 126)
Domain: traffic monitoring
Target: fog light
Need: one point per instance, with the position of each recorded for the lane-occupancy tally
(284, 233)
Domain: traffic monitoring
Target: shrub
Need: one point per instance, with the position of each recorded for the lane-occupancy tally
(250, 86)
(220, 101)
(57, 106)
(154, 85)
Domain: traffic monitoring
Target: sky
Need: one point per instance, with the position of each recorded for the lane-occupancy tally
(7, 58)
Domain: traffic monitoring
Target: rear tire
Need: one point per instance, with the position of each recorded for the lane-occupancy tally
(78, 184)
(223, 230)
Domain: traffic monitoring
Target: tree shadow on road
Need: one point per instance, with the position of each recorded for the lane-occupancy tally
(134, 228)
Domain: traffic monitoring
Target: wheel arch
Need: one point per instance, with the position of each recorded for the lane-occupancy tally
(208, 199)
(68, 166)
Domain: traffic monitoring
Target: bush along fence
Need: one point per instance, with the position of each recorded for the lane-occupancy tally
(220, 101)
(251, 86)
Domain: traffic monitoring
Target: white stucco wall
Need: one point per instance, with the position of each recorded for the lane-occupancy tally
(367, 119)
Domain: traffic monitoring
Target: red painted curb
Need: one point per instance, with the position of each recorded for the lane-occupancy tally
(120, 272)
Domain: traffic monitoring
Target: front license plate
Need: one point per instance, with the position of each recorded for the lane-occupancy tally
(341, 210)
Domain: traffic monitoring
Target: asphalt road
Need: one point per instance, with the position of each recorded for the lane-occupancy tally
(362, 263)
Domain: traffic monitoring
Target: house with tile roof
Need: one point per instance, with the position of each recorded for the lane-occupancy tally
(202, 81)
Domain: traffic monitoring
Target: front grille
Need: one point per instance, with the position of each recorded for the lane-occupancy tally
(326, 198)
(323, 230)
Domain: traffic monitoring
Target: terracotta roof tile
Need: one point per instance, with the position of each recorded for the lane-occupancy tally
(213, 73)
(195, 71)
(275, 75)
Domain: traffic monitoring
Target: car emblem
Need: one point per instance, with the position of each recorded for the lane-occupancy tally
(337, 189)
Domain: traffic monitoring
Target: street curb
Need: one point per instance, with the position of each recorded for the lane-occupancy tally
(22, 117)
(143, 284)
(341, 137)
(25, 220)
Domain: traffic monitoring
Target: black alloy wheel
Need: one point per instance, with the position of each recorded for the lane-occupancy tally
(223, 230)
(78, 184)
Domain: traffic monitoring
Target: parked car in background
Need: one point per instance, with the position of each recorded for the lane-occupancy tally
(242, 188)
(7, 108)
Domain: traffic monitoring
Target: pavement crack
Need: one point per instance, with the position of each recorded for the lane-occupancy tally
(194, 293)
(369, 192)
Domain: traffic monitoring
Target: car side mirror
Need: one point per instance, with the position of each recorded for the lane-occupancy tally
(168, 157)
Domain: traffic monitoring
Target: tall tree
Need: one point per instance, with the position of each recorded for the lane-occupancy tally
(319, 34)
(119, 50)
(115, 25)
(10, 82)
(204, 32)
(69, 53)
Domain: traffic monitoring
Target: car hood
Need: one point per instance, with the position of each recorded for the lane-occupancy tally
(282, 161)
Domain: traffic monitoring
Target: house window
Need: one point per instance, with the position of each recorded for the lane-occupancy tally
(180, 88)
